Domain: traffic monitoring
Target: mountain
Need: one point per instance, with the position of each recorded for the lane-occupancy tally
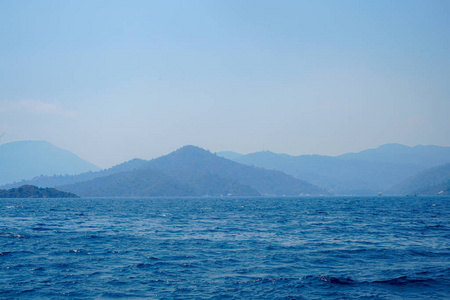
(30, 191)
(189, 160)
(442, 188)
(425, 156)
(364, 173)
(431, 181)
(140, 183)
(58, 180)
(192, 171)
(341, 176)
(28, 159)
(152, 183)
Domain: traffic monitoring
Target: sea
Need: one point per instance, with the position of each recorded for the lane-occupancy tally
(225, 248)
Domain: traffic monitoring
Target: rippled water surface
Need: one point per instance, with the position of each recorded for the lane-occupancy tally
(243, 248)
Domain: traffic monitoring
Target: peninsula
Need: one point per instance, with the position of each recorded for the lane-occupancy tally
(31, 191)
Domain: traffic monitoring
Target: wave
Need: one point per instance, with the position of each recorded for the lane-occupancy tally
(406, 281)
(398, 281)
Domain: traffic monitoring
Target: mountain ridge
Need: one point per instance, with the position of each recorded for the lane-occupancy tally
(350, 175)
(363, 173)
(188, 171)
(28, 159)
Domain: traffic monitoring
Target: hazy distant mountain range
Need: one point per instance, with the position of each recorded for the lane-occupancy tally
(27, 159)
(364, 173)
(192, 171)
(189, 171)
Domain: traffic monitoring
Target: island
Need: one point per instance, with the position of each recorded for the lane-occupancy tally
(31, 191)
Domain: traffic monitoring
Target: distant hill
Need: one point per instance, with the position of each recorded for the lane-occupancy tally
(435, 189)
(364, 173)
(425, 156)
(30, 191)
(192, 171)
(190, 161)
(58, 180)
(28, 159)
(428, 182)
(152, 183)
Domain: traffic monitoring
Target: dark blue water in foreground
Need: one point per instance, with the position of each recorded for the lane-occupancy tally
(246, 248)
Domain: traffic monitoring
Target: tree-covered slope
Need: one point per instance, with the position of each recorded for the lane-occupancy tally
(442, 188)
(30, 191)
(153, 183)
(425, 156)
(192, 171)
(429, 182)
(58, 180)
(343, 176)
(190, 161)
(143, 183)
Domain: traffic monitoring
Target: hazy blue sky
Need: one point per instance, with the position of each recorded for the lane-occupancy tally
(114, 80)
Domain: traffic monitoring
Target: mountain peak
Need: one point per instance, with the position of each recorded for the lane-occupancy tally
(28, 159)
(393, 147)
(27, 143)
(190, 150)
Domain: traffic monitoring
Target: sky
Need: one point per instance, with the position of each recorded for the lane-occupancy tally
(116, 80)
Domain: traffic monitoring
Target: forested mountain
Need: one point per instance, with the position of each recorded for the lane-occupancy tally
(364, 173)
(355, 177)
(57, 180)
(429, 182)
(152, 183)
(425, 156)
(442, 188)
(28, 159)
(30, 191)
(192, 171)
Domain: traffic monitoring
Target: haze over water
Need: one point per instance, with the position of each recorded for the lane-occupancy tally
(117, 80)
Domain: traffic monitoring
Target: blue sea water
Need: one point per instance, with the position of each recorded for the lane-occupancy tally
(232, 248)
